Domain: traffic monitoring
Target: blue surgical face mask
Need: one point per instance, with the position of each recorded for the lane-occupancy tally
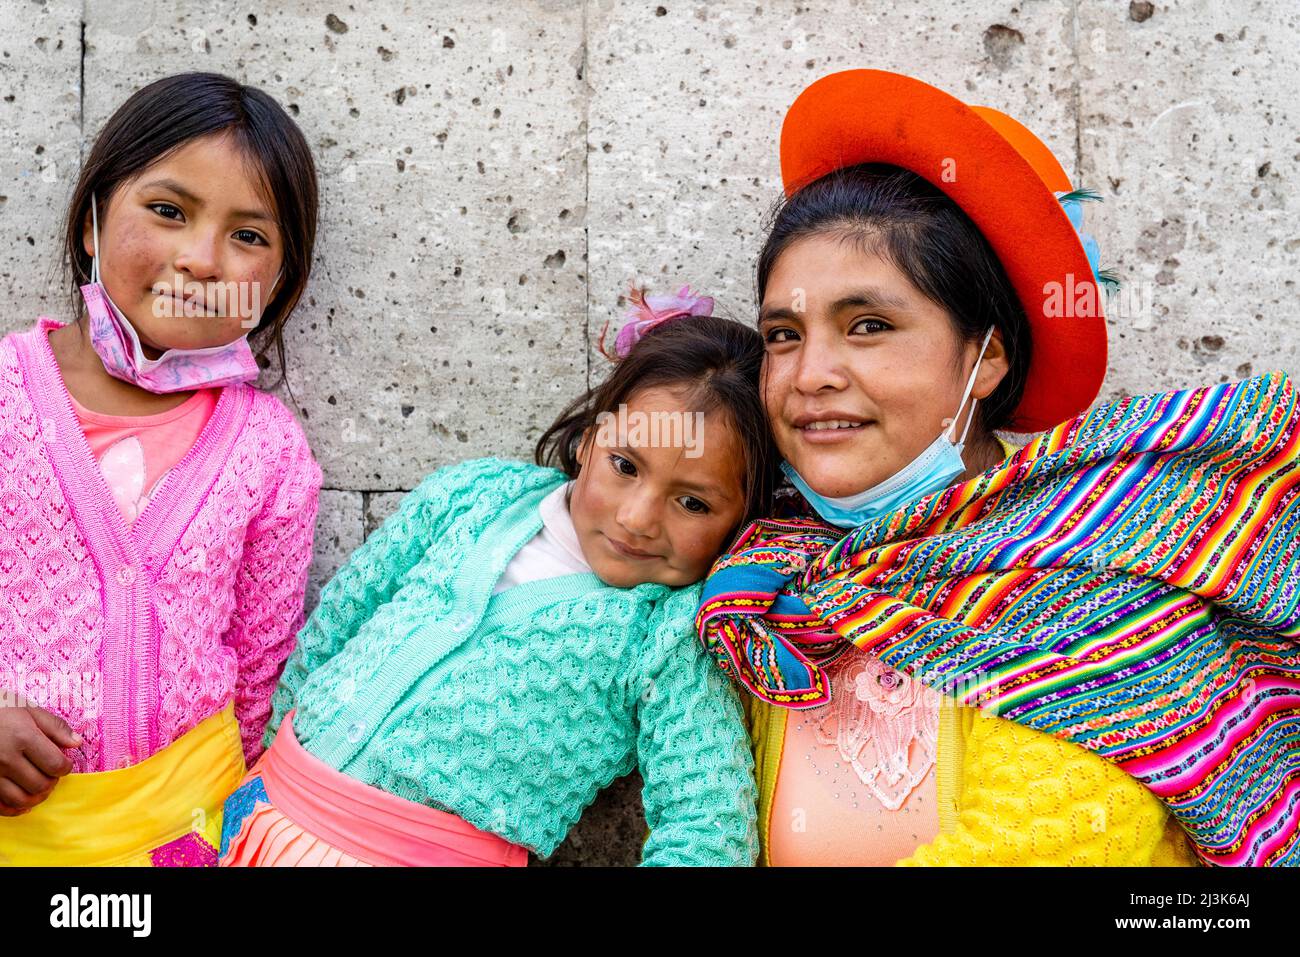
(934, 469)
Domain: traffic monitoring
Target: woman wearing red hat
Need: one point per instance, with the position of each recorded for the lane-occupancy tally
(1078, 652)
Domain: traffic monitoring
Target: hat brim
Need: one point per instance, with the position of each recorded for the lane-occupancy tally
(1003, 178)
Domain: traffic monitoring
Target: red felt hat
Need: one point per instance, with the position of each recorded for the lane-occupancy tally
(1003, 178)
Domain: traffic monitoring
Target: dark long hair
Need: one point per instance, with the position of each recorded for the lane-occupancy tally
(169, 113)
(907, 220)
(718, 360)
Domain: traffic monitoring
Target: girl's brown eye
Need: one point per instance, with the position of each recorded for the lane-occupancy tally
(693, 505)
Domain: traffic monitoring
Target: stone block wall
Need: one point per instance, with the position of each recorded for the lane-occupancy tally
(494, 174)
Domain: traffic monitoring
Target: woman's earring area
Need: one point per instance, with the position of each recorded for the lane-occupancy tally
(951, 424)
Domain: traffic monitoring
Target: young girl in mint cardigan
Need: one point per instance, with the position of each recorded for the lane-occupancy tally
(515, 637)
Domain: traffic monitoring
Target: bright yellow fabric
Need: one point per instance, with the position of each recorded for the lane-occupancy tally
(115, 818)
(1021, 797)
(1010, 795)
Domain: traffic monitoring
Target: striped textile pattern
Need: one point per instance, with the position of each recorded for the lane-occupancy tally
(1127, 582)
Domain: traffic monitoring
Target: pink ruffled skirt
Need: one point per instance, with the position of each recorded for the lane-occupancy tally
(294, 810)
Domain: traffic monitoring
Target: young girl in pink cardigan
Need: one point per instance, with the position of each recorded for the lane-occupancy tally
(156, 510)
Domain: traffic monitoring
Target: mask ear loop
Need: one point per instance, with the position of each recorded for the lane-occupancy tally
(275, 288)
(970, 384)
(94, 238)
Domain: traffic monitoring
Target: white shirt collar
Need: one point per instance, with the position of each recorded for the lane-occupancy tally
(558, 521)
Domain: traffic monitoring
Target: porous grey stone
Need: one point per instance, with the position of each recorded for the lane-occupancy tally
(686, 111)
(380, 505)
(1188, 125)
(40, 140)
(338, 535)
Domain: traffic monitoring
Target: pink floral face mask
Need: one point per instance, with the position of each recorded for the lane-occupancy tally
(176, 370)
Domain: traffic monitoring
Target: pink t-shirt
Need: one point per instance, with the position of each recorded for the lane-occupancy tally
(135, 452)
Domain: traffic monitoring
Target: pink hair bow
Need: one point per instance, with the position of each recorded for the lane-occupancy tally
(646, 312)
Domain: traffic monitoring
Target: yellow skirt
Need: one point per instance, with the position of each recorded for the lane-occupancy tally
(163, 812)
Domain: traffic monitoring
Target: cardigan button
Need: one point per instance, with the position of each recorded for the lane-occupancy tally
(356, 732)
(126, 575)
(462, 625)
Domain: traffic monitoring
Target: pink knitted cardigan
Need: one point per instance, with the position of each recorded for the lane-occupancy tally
(135, 634)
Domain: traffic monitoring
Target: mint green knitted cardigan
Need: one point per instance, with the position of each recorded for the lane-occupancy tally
(514, 710)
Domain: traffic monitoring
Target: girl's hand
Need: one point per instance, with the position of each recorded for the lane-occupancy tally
(31, 756)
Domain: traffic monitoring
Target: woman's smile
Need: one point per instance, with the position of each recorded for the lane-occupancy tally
(829, 428)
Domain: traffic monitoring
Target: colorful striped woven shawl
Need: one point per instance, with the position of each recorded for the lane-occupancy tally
(1127, 582)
